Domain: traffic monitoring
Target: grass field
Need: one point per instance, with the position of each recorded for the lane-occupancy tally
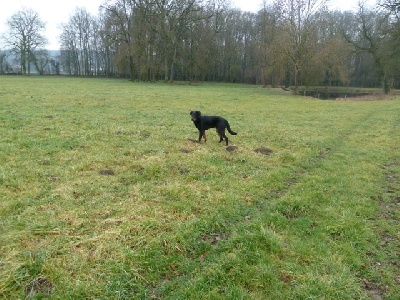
(106, 195)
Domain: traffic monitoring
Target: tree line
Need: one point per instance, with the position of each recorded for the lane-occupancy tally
(287, 43)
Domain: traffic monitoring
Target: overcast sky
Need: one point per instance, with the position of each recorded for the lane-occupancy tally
(56, 12)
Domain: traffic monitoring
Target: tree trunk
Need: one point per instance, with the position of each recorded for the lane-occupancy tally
(131, 68)
(23, 62)
(171, 77)
(166, 69)
(296, 75)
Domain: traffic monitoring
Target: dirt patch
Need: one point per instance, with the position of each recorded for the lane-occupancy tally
(39, 286)
(54, 178)
(214, 238)
(263, 150)
(128, 133)
(144, 134)
(231, 148)
(390, 207)
(374, 292)
(286, 278)
(139, 171)
(183, 170)
(45, 162)
(107, 172)
(192, 140)
(185, 150)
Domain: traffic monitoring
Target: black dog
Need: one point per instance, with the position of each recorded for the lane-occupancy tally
(203, 123)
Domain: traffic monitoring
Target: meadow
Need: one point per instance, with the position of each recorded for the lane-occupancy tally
(105, 193)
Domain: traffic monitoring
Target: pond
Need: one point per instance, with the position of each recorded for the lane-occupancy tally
(332, 95)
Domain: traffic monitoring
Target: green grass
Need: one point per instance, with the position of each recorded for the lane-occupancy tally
(105, 195)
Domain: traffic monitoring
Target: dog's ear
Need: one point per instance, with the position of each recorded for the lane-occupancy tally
(198, 112)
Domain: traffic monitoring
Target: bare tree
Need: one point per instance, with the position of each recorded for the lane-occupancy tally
(392, 9)
(77, 41)
(372, 37)
(393, 6)
(330, 65)
(3, 62)
(176, 18)
(330, 62)
(272, 61)
(40, 60)
(296, 29)
(150, 35)
(55, 66)
(25, 36)
(120, 20)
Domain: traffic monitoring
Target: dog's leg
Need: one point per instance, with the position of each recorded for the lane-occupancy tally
(220, 136)
(223, 136)
(202, 134)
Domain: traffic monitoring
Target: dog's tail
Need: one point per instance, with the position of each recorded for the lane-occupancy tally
(229, 129)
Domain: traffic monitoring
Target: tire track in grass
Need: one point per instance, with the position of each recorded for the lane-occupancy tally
(313, 162)
(390, 210)
(384, 256)
(389, 203)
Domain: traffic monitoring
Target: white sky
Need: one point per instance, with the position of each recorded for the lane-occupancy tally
(55, 13)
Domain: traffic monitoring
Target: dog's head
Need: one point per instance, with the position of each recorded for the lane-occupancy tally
(195, 115)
